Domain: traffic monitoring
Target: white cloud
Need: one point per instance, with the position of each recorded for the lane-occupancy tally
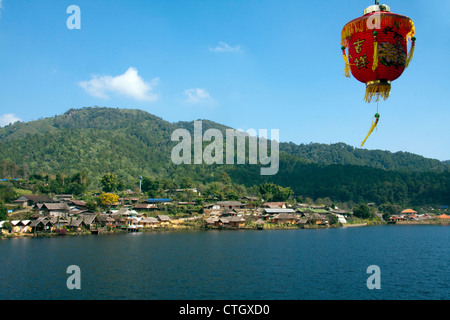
(198, 96)
(225, 47)
(8, 118)
(128, 84)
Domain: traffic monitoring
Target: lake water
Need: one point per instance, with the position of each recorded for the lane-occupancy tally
(233, 265)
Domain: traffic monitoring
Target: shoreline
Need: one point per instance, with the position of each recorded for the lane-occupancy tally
(201, 228)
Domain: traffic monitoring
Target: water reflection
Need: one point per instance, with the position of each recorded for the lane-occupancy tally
(275, 264)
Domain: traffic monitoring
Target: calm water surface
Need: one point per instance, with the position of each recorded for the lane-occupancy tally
(233, 265)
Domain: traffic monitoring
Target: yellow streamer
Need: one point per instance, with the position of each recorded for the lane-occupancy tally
(374, 124)
(411, 53)
(347, 66)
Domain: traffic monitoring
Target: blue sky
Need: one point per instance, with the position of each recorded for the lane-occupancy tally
(249, 64)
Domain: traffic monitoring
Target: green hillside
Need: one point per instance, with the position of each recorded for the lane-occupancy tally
(341, 153)
(133, 143)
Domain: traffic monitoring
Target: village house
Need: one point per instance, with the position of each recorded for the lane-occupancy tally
(41, 224)
(250, 202)
(106, 220)
(228, 213)
(15, 226)
(90, 220)
(188, 190)
(341, 218)
(63, 197)
(408, 212)
(161, 201)
(2, 227)
(135, 222)
(59, 222)
(149, 222)
(275, 205)
(231, 205)
(86, 222)
(259, 224)
(163, 219)
(248, 206)
(31, 200)
(212, 209)
(37, 208)
(236, 222)
(285, 218)
(317, 218)
(339, 211)
(55, 209)
(212, 221)
(396, 218)
(213, 206)
(75, 212)
(80, 204)
(144, 207)
(75, 224)
(120, 217)
(268, 213)
(186, 203)
(123, 214)
(273, 211)
(231, 222)
(21, 226)
(444, 217)
(425, 216)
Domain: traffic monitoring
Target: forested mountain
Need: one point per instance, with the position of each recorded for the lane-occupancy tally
(154, 131)
(133, 143)
(341, 153)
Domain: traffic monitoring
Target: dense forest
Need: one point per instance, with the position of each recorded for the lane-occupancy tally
(84, 144)
(341, 153)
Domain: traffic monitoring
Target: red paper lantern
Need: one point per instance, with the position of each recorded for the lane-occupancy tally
(377, 45)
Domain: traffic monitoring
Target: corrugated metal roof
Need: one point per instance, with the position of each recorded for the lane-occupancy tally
(279, 210)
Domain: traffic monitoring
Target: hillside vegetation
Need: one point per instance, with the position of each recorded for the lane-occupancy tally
(133, 143)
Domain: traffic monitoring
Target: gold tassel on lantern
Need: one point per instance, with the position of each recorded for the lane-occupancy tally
(411, 52)
(412, 31)
(347, 64)
(375, 52)
(411, 37)
(377, 89)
